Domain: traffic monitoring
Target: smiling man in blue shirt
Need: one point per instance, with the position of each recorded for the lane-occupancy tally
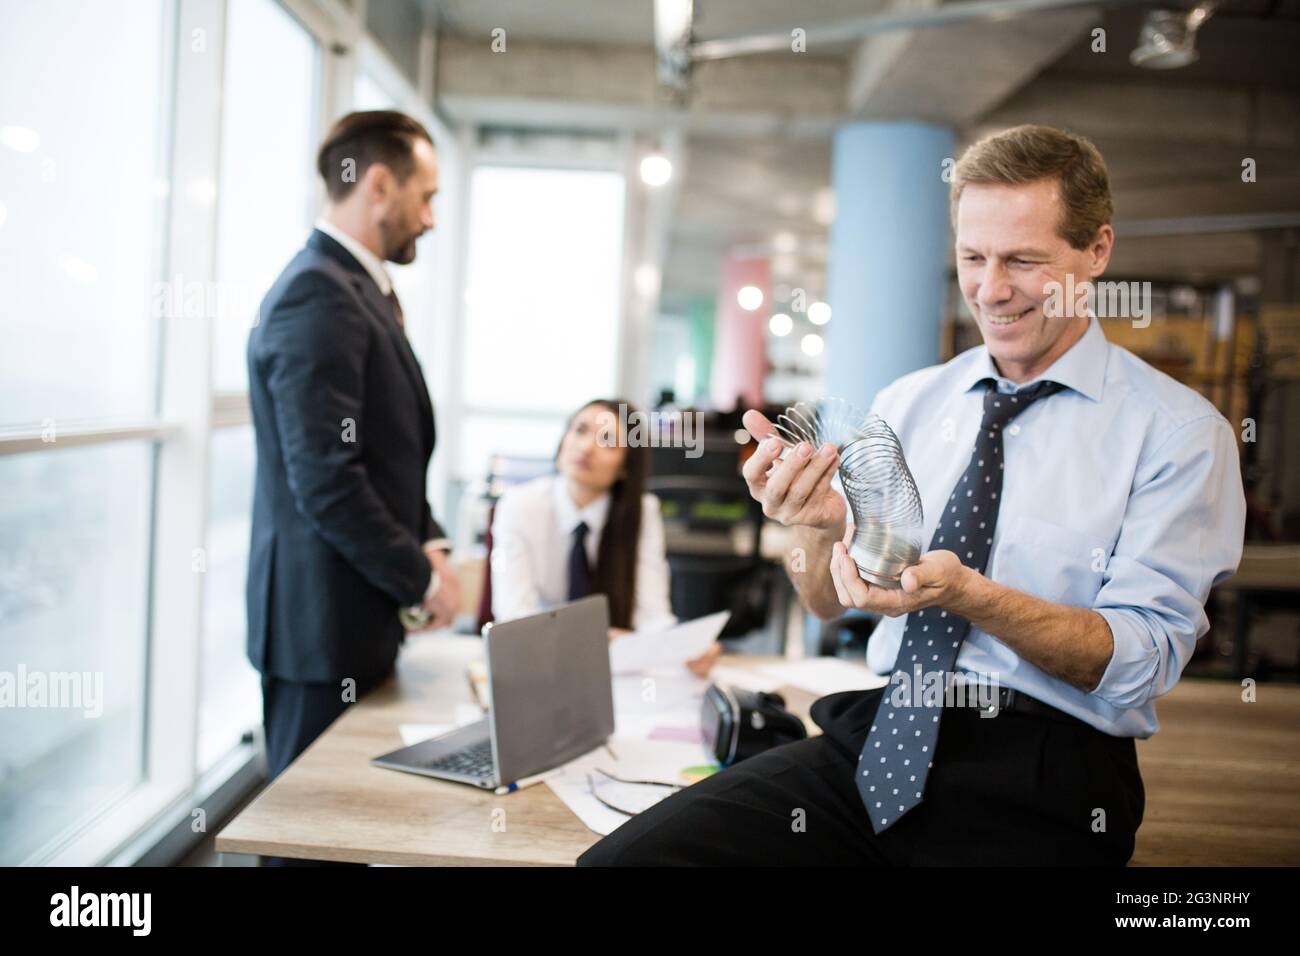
(1079, 506)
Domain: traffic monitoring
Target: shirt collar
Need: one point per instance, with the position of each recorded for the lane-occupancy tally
(569, 514)
(1082, 367)
(369, 261)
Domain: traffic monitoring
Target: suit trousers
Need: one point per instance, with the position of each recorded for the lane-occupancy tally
(1011, 789)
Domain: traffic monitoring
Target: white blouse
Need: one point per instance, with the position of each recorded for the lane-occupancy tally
(532, 534)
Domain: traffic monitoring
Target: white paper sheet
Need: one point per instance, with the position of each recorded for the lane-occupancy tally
(743, 678)
(414, 733)
(630, 759)
(666, 698)
(676, 645)
(824, 675)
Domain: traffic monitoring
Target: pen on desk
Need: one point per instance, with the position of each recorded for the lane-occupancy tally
(525, 782)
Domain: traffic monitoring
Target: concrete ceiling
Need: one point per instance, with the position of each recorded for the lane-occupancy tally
(631, 22)
(745, 197)
(1245, 43)
(756, 129)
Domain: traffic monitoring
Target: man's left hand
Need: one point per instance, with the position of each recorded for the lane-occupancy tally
(937, 580)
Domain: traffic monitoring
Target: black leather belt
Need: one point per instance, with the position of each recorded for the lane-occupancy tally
(1010, 699)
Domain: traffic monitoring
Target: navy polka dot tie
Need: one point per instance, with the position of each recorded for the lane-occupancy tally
(899, 751)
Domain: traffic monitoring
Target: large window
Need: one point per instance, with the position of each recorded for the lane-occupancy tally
(229, 693)
(542, 304)
(82, 192)
(73, 618)
(369, 94)
(267, 189)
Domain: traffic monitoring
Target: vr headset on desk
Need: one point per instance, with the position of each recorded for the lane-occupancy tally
(741, 723)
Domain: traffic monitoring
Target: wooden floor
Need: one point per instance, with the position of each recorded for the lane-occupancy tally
(1222, 778)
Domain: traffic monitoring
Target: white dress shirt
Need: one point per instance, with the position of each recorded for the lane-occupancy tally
(532, 535)
(1121, 493)
(373, 265)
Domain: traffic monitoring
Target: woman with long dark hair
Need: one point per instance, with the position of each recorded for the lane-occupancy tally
(591, 528)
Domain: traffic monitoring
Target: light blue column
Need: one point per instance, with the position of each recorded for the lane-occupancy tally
(888, 254)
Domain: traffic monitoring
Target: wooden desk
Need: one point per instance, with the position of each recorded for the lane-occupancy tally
(1222, 782)
(332, 805)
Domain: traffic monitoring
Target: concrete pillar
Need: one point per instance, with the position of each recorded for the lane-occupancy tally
(888, 254)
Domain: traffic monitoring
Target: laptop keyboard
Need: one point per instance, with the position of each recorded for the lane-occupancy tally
(472, 761)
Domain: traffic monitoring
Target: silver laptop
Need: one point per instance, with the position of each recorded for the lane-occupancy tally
(551, 700)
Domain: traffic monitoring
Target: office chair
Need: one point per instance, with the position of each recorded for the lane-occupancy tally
(706, 573)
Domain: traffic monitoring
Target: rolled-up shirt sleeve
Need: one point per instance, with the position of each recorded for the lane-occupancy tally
(1182, 533)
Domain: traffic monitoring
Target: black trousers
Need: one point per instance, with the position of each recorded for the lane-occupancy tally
(1011, 789)
(293, 715)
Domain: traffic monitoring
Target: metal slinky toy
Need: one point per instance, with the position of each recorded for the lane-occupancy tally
(878, 485)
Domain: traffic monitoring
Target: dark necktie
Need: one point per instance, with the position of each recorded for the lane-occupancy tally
(580, 582)
(899, 750)
(397, 310)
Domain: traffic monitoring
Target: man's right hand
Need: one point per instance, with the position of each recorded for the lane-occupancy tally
(444, 604)
(797, 491)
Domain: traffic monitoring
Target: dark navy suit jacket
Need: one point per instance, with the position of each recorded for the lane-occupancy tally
(344, 431)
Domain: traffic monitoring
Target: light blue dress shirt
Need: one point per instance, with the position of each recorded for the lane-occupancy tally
(1121, 493)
